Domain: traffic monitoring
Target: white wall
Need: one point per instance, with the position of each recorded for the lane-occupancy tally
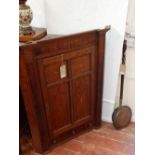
(130, 23)
(38, 8)
(69, 16)
(129, 83)
(129, 86)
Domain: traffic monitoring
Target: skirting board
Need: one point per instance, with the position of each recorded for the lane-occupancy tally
(107, 110)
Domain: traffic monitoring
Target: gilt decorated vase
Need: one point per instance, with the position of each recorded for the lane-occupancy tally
(25, 18)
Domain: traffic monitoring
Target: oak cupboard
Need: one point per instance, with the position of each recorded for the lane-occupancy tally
(61, 80)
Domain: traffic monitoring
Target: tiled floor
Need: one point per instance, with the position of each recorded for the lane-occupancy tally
(103, 141)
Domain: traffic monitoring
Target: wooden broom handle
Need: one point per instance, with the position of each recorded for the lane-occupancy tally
(121, 90)
(122, 71)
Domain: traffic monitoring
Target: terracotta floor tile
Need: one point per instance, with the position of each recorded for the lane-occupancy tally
(107, 143)
(82, 137)
(60, 151)
(75, 146)
(115, 135)
(103, 141)
(101, 151)
(127, 130)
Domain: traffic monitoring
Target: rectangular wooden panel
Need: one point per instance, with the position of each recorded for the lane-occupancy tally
(81, 98)
(52, 72)
(58, 112)
(80, 65)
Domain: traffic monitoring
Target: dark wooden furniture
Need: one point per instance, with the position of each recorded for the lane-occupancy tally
(61, 79)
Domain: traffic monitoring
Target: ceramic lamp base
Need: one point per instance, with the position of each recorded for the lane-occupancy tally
(38, 34)
(26, 31)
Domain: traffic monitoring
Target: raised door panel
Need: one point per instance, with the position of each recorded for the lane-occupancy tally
(81, 98)
(80, 65)
(59, 108)
(52, 72)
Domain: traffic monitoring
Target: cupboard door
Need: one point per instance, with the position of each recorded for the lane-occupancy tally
(56, 95)
(69, 101)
